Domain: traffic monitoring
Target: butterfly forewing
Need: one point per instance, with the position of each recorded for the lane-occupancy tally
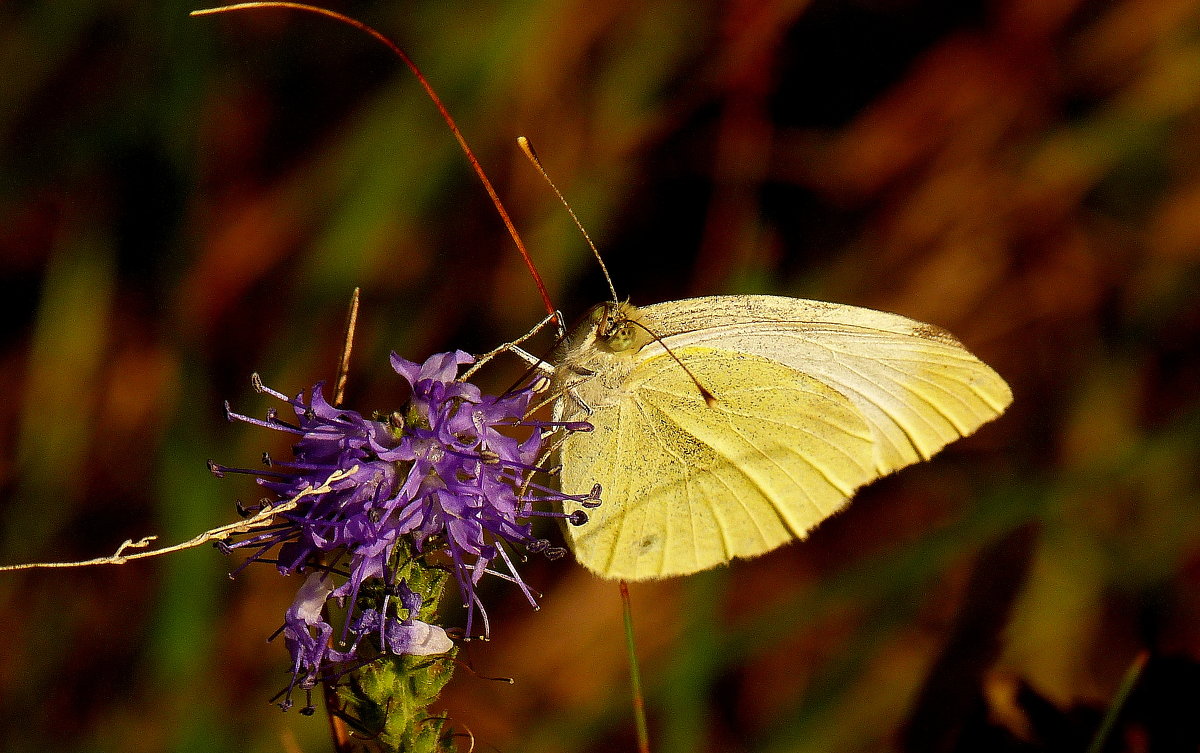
(917, 387)
(688, 485)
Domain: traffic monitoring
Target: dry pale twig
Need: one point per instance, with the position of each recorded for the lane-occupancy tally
(259, 520)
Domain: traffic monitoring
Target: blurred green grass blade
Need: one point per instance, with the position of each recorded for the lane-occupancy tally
(894, 573)
(62, 393)
(891, 586)
(892, 582)
(835, 714)
(684, 711)
(183, 642)
(32, 46)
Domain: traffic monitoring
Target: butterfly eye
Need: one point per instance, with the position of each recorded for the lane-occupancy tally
(621, 338)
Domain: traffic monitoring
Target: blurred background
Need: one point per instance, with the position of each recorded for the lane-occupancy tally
(186, 201)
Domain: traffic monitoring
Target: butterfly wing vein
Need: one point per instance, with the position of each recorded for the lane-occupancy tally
(813, 401)
(687, 486)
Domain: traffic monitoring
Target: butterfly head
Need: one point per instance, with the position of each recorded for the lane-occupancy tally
(616, 327)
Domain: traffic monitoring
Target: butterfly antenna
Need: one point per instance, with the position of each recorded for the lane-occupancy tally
(437, 102)
(532, 155)
(709, 398)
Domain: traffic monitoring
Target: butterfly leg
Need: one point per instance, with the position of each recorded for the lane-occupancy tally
(512, 347)
(587, 409)
(568, 390)
(584, 375)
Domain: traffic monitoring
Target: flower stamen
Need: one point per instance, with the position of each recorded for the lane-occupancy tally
(437, 476)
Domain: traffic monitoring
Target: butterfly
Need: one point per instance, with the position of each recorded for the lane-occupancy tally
(726, 426)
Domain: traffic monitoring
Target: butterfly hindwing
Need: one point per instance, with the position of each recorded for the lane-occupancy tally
(688, 485)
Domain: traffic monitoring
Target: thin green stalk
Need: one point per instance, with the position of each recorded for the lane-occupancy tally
(635, 674)
(1114, 710)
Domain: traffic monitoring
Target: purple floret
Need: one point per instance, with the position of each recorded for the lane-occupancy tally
(438, 474)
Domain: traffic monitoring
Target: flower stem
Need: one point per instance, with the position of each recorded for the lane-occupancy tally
(388, 700)
(635, 674)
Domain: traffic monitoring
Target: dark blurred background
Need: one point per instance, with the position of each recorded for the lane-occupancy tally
(185, 201)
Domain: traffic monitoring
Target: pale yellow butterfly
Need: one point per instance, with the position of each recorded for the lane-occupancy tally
(784, 409)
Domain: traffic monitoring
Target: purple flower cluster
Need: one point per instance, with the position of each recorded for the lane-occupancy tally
(437, 475)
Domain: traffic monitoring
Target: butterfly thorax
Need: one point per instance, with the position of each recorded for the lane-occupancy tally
(598, 355)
